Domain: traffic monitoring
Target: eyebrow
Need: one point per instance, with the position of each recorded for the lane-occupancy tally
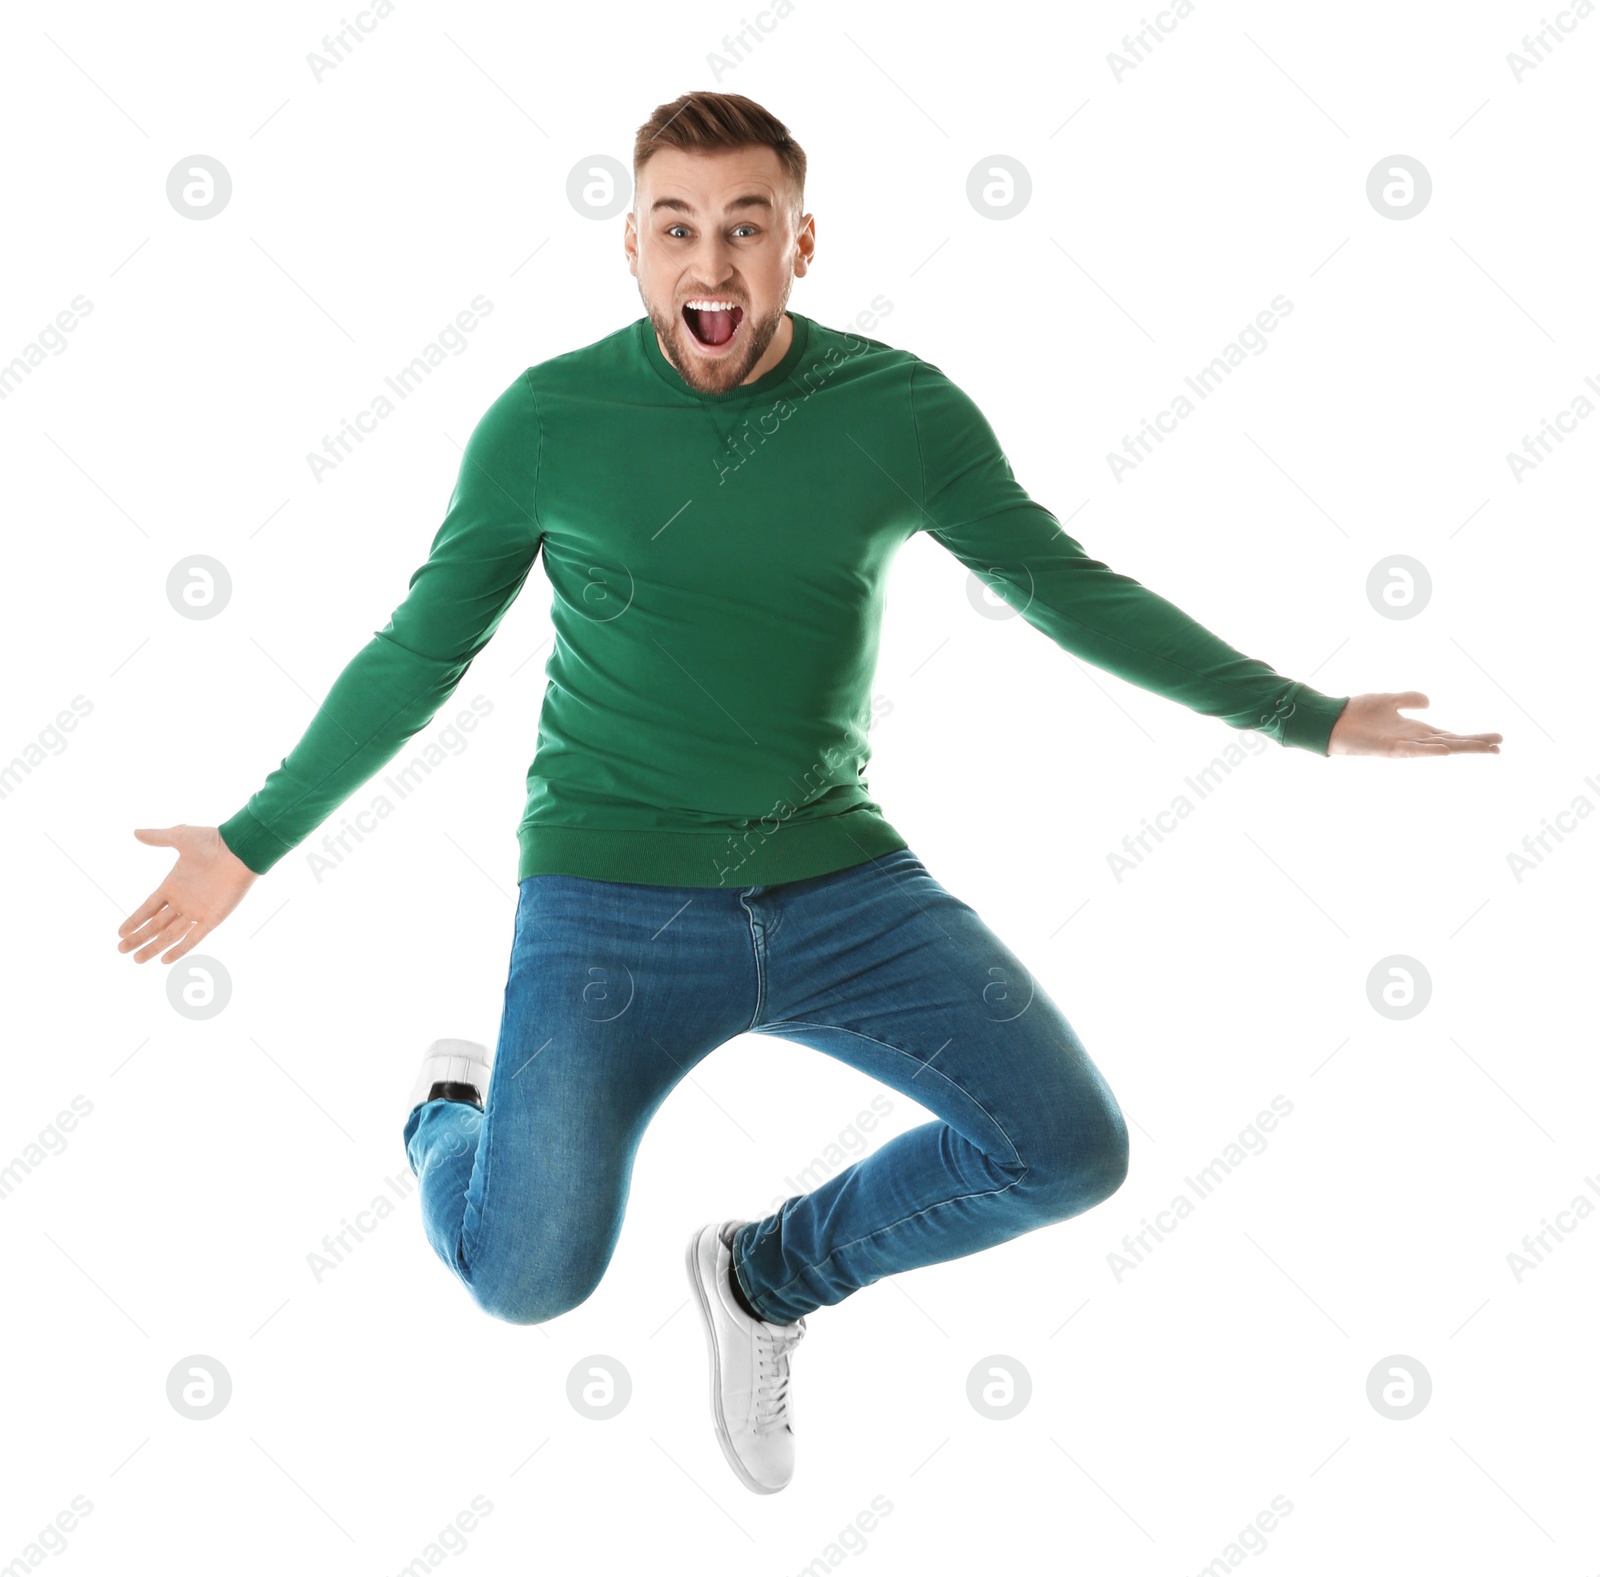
(684, 206)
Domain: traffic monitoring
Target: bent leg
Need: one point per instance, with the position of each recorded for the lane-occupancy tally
(887, 971)
(610, 1000)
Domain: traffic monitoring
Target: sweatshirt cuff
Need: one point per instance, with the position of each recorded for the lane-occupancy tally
(252, 842)
(1309, 723)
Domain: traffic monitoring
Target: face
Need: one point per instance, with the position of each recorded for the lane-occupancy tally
(715, 246)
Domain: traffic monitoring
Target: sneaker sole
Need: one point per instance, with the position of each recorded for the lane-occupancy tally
(719, 1420)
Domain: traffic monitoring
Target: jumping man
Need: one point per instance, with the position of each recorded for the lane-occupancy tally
(719, 489)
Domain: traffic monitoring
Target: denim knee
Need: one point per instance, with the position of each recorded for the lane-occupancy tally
(530, 1296)
(1084, 1162)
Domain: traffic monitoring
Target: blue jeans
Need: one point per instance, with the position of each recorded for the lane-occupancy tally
(616, 990)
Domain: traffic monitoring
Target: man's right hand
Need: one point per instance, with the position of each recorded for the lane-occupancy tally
(201, 890)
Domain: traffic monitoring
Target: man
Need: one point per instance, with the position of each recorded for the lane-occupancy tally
(719, 490)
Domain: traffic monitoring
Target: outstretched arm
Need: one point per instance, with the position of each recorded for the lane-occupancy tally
(391, 688)
(973, 505)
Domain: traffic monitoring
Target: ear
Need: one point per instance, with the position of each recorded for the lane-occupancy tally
(630, 243)
(805, 244)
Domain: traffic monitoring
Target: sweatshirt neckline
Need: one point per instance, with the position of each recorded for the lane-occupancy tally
(768, 380)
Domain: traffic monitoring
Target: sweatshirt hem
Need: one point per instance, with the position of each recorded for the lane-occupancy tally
(750, 857)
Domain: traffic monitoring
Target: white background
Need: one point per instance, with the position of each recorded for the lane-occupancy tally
(1168, 1407)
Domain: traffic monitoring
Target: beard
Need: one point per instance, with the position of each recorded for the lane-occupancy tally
(720, 376)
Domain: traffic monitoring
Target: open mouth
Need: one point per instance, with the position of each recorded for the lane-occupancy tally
(712, 321)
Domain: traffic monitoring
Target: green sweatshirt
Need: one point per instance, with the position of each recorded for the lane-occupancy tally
(717, 565)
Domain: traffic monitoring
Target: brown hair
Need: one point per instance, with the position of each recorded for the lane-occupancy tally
(720, 120)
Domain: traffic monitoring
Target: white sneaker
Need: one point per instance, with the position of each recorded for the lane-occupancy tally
(462, 1063)
(751, 1409)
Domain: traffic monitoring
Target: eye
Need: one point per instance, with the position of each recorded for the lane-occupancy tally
(671, 228)
(751, 228)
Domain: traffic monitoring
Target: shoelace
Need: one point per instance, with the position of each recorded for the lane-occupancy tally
(772, 1375)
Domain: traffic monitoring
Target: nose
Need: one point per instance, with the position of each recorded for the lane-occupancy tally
(712, 261)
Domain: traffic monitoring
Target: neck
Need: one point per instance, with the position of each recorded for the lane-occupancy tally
(776, 351)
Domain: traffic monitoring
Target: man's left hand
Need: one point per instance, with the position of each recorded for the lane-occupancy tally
(1371, 725)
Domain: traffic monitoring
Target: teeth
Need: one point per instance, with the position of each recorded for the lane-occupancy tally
(712, 306)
